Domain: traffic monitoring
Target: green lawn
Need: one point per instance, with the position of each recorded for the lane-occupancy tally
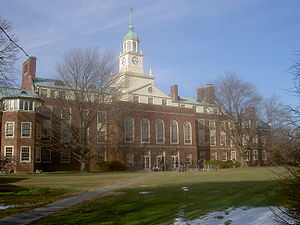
(208, 191)
(28, 191)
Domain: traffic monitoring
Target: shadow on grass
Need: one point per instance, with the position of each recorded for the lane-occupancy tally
(7, 180)
(165, 202)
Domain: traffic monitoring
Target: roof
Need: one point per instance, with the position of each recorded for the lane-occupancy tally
(6, 92)
(191, 100)
(52, 83)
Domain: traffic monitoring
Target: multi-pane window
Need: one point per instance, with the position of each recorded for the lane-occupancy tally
(11, 104)
(194, 108)
(247, 155)
(164, 102)
(201, 132)
(255, 140)
(255, 155)
(101, 156)
(214, 156)
(25, 154)
(66, 115)
(145, 134)
(187, 131)
(188, 159)
(264, 155)
(223, 140)
(61, 95)
(223, 126)
(26, 129)
(65, 134)
(53, 94)
(212, 125)
(43, 92)
(263, 140)
(101, 136)
(224, 156)
(213, 139)
(8, 151)
(45, 155)
(233, 155)
(174, 132)
(65, 155)
(160, 131)
(150, 100)
(38, 154)
(129, 127)
(136, 98)
(245, 140)
(26, 105)
(129, 160)
(101, 117)
(9, 129)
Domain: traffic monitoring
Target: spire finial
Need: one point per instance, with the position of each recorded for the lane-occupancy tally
(130, 16)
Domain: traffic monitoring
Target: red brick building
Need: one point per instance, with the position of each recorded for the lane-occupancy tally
(154, 129)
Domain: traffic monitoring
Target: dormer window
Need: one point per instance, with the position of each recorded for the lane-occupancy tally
(43, 92)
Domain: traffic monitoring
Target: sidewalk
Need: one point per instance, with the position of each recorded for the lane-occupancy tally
(35, 214)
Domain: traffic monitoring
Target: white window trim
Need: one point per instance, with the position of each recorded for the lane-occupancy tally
(157, 142)
(231, 158)
(262, 154)
(210, 135)
(214, 125)
(248, 152)
(254, 155)
(30, 130)
(191, 133)
(132, 130)
(138, 98)
(25, 161)
(177, 142)
(226, 156)
(148, 131)
(5, 127)
(9, 147)
(38, 149)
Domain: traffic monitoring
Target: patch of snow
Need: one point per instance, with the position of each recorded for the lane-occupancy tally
(184, 189)
(238, 216)
(6, 206)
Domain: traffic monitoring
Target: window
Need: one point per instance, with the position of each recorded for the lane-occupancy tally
(129, 160)
(65, 156)
(38, 154)
(136, 99)
(194, 108)
(9, 129)
(255, 140)
(52, 94)
(245, 140)
(45, 155)
(25, 154)
(264, 155)
(11, 104)
(164, 102)
(187, 130)
(134, 46)
(255, 155)
(188, 159)
(224, 156)
(101, 156)
(214, 156)
(223, 127)
(223, 140)
(212, 125)
(101, 117)
(129, 127)
(9, 151)
(46, 131)
(25, 129)
(233, 155)
(182, 105)
(174, 132)
(204, 109)
(213, 139)
(215, 111)
(202, 155)
(66, 115)
(150, 101)
(65, 134)
(26, 105)
(263, 140)
(145, 134)
(43, 92)
(247, 155)
(61, 95)
(160, 132)
(201, 132)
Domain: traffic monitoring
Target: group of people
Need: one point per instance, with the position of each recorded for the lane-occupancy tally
(201, 165)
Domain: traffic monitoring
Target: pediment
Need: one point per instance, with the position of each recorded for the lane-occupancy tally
(149, 90)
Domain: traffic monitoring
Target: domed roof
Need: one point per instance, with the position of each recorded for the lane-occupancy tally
(130, 33)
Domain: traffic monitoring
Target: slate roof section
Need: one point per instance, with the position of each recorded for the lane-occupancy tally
(191, 100)
(6, 92)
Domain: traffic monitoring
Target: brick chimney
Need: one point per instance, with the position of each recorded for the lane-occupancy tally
(250, 111)
(209, 94)
(174, 92)
(200, 94)
(28, 73)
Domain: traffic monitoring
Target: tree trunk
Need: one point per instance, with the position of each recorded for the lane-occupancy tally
(82, 166)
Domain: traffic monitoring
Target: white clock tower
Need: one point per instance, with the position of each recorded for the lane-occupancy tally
(131, 60)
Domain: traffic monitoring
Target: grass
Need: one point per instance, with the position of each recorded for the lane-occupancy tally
(27, 191)
(208, 192)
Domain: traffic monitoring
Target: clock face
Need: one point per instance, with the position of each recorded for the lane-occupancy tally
(134, 60)
(124, 61)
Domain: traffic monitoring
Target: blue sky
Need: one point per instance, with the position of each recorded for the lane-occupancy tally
(185, 42)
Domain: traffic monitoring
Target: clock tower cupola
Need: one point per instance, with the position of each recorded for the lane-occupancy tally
(131, 59)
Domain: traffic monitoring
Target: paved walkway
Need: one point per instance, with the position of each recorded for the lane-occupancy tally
(35, 214)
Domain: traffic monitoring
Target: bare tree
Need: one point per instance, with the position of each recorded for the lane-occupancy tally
(235, 97)
(8, 53)
(87, 103)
